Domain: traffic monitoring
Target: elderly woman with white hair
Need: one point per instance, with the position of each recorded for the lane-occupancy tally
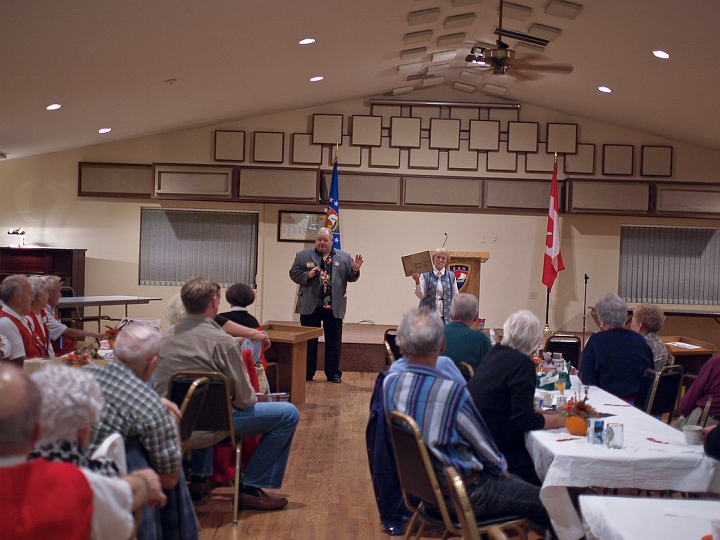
(37, 317)
(615, 359)
(71, 405)
(503, 389)
(437, 289)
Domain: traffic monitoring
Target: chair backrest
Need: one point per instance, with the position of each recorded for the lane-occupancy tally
(417, 476)
(659, 390)
(463, 510)
(466, 370)
(390, 339)
(705, 413)
(569, 346)
(215, 411)
(114, 447)
(191, 405)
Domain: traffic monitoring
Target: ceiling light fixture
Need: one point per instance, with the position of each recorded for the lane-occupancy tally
(604, 89)
(316, 79)
(306, 41)
(104, 130)
(661, 54)
(469, 88)
(53, 107)
(402, 90)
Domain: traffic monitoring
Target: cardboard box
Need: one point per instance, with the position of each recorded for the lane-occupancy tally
(417, 262)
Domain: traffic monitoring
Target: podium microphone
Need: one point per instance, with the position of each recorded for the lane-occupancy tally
(446, 239)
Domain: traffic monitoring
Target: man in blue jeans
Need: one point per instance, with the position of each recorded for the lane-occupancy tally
(197, 343)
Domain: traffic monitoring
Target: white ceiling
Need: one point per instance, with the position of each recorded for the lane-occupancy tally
(107, 61)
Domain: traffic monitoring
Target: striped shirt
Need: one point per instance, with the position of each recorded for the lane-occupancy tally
(451, 426)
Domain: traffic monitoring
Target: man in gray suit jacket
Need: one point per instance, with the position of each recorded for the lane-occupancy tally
(323, 274)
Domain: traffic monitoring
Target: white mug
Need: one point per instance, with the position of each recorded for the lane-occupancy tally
(693, 434)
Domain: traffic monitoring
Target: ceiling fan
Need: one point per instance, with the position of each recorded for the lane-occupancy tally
(502, 60)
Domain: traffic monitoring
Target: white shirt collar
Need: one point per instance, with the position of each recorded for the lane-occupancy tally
(238, 308)
(439, 273)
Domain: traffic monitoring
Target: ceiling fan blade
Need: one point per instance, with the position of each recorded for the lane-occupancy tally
(523, 75)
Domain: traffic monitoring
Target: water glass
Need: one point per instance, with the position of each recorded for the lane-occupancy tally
(614, 436)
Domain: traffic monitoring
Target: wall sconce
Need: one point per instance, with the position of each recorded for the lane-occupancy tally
(19, 231)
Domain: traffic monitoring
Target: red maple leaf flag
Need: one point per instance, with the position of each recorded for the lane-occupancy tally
(553, 258)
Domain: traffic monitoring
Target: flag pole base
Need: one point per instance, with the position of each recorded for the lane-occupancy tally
(547, 329)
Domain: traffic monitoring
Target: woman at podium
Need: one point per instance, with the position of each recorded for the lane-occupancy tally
(437, 289)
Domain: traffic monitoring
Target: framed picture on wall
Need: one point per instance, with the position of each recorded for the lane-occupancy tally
(299, 226)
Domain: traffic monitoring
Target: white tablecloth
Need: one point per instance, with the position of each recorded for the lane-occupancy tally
(639, 464)
(621, 518)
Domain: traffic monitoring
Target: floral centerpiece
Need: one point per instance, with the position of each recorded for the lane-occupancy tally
(576, 415)
(112, 334)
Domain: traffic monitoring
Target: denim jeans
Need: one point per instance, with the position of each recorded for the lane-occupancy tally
(276, 422)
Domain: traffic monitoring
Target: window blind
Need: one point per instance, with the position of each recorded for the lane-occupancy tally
(670, 265)
(176, 245)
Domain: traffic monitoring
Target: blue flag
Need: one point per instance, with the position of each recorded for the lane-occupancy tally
(332, 221)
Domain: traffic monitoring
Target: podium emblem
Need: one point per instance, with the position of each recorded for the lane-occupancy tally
(461, 273)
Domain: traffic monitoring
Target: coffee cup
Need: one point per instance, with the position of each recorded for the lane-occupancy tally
(692, 434)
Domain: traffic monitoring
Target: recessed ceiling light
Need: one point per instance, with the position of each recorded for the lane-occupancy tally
(604, 89)
(53, 107)
(104, 130)
(316, 79)
(661, 54)
(306, 41)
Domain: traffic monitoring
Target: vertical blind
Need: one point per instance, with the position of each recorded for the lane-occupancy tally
(176, 245)
(665, 265)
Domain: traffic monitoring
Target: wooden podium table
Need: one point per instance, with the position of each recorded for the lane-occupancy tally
(690, 353)
(289, 347)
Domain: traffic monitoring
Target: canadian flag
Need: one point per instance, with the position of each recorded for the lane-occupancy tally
(553, 262)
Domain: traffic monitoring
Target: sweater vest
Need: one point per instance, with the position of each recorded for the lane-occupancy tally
(32, 348)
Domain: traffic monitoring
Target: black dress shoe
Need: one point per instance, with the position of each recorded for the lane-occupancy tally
(335, 379)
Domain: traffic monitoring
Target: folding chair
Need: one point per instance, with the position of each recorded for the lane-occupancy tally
(392, 350)
(569, 346)
(705, 413)
(190, 405)
(214, 414)
(467, 370)
(659, 391)
(419, 481)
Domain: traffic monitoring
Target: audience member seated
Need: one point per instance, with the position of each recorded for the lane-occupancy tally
(37, 317)
(452, 427)
(175, 312)
(711, 437)
(706, 386)
(197, 343)
(240, 296)
(16, 294)
(148, 425)
(615, 359)
(503, 389)
(71, 405)
(648, 320)
(462, 343)
(43, 499)
(62, 337)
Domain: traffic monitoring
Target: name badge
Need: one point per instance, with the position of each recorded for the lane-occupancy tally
(310, 265)
(337, 263)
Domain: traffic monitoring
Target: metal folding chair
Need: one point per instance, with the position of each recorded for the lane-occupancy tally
(659, 391)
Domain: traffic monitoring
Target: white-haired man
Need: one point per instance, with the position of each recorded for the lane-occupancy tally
(462, 343)
(16, 294)
(452, 427)
(323, 273)
(503, 388)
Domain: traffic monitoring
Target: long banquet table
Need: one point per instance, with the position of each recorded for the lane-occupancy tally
(625, 518)
(640, 464)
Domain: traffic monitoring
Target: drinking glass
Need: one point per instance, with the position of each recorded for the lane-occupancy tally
(560, 387)
(614, 435)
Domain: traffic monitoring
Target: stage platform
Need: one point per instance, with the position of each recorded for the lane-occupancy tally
(362, 347)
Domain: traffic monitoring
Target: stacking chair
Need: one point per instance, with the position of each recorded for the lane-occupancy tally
(215, 412)
(706, 413)
(190, 405)
(419, 482)
(466, 370)
(568, 345)
(659, 391)
(392, 350)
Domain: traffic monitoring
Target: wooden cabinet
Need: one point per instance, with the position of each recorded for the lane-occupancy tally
(67, 264)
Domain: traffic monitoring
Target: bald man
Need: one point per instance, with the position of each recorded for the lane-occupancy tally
(58, 500)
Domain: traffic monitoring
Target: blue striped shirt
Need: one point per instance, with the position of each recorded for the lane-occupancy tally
(451, 426)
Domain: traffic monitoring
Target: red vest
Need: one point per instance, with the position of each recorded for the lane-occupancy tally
(43, 500)
(62, 345)
(32, 349)
(39, 329)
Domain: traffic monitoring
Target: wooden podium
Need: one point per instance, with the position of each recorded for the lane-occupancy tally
(289, 348)
(466, 267)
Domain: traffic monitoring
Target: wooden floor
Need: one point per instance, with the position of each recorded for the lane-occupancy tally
(327, 480)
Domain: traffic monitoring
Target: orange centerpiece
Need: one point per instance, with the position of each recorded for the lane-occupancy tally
(576, 415)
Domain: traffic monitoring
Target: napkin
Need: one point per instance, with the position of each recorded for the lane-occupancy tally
(689, 513)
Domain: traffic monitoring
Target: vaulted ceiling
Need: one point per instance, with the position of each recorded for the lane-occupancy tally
(149, 67)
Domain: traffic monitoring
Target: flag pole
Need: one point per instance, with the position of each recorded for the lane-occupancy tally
(547, 329)
(337, 149)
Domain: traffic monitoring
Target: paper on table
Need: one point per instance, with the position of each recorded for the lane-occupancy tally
(689, 513)
(673, 449)
(683, 345)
